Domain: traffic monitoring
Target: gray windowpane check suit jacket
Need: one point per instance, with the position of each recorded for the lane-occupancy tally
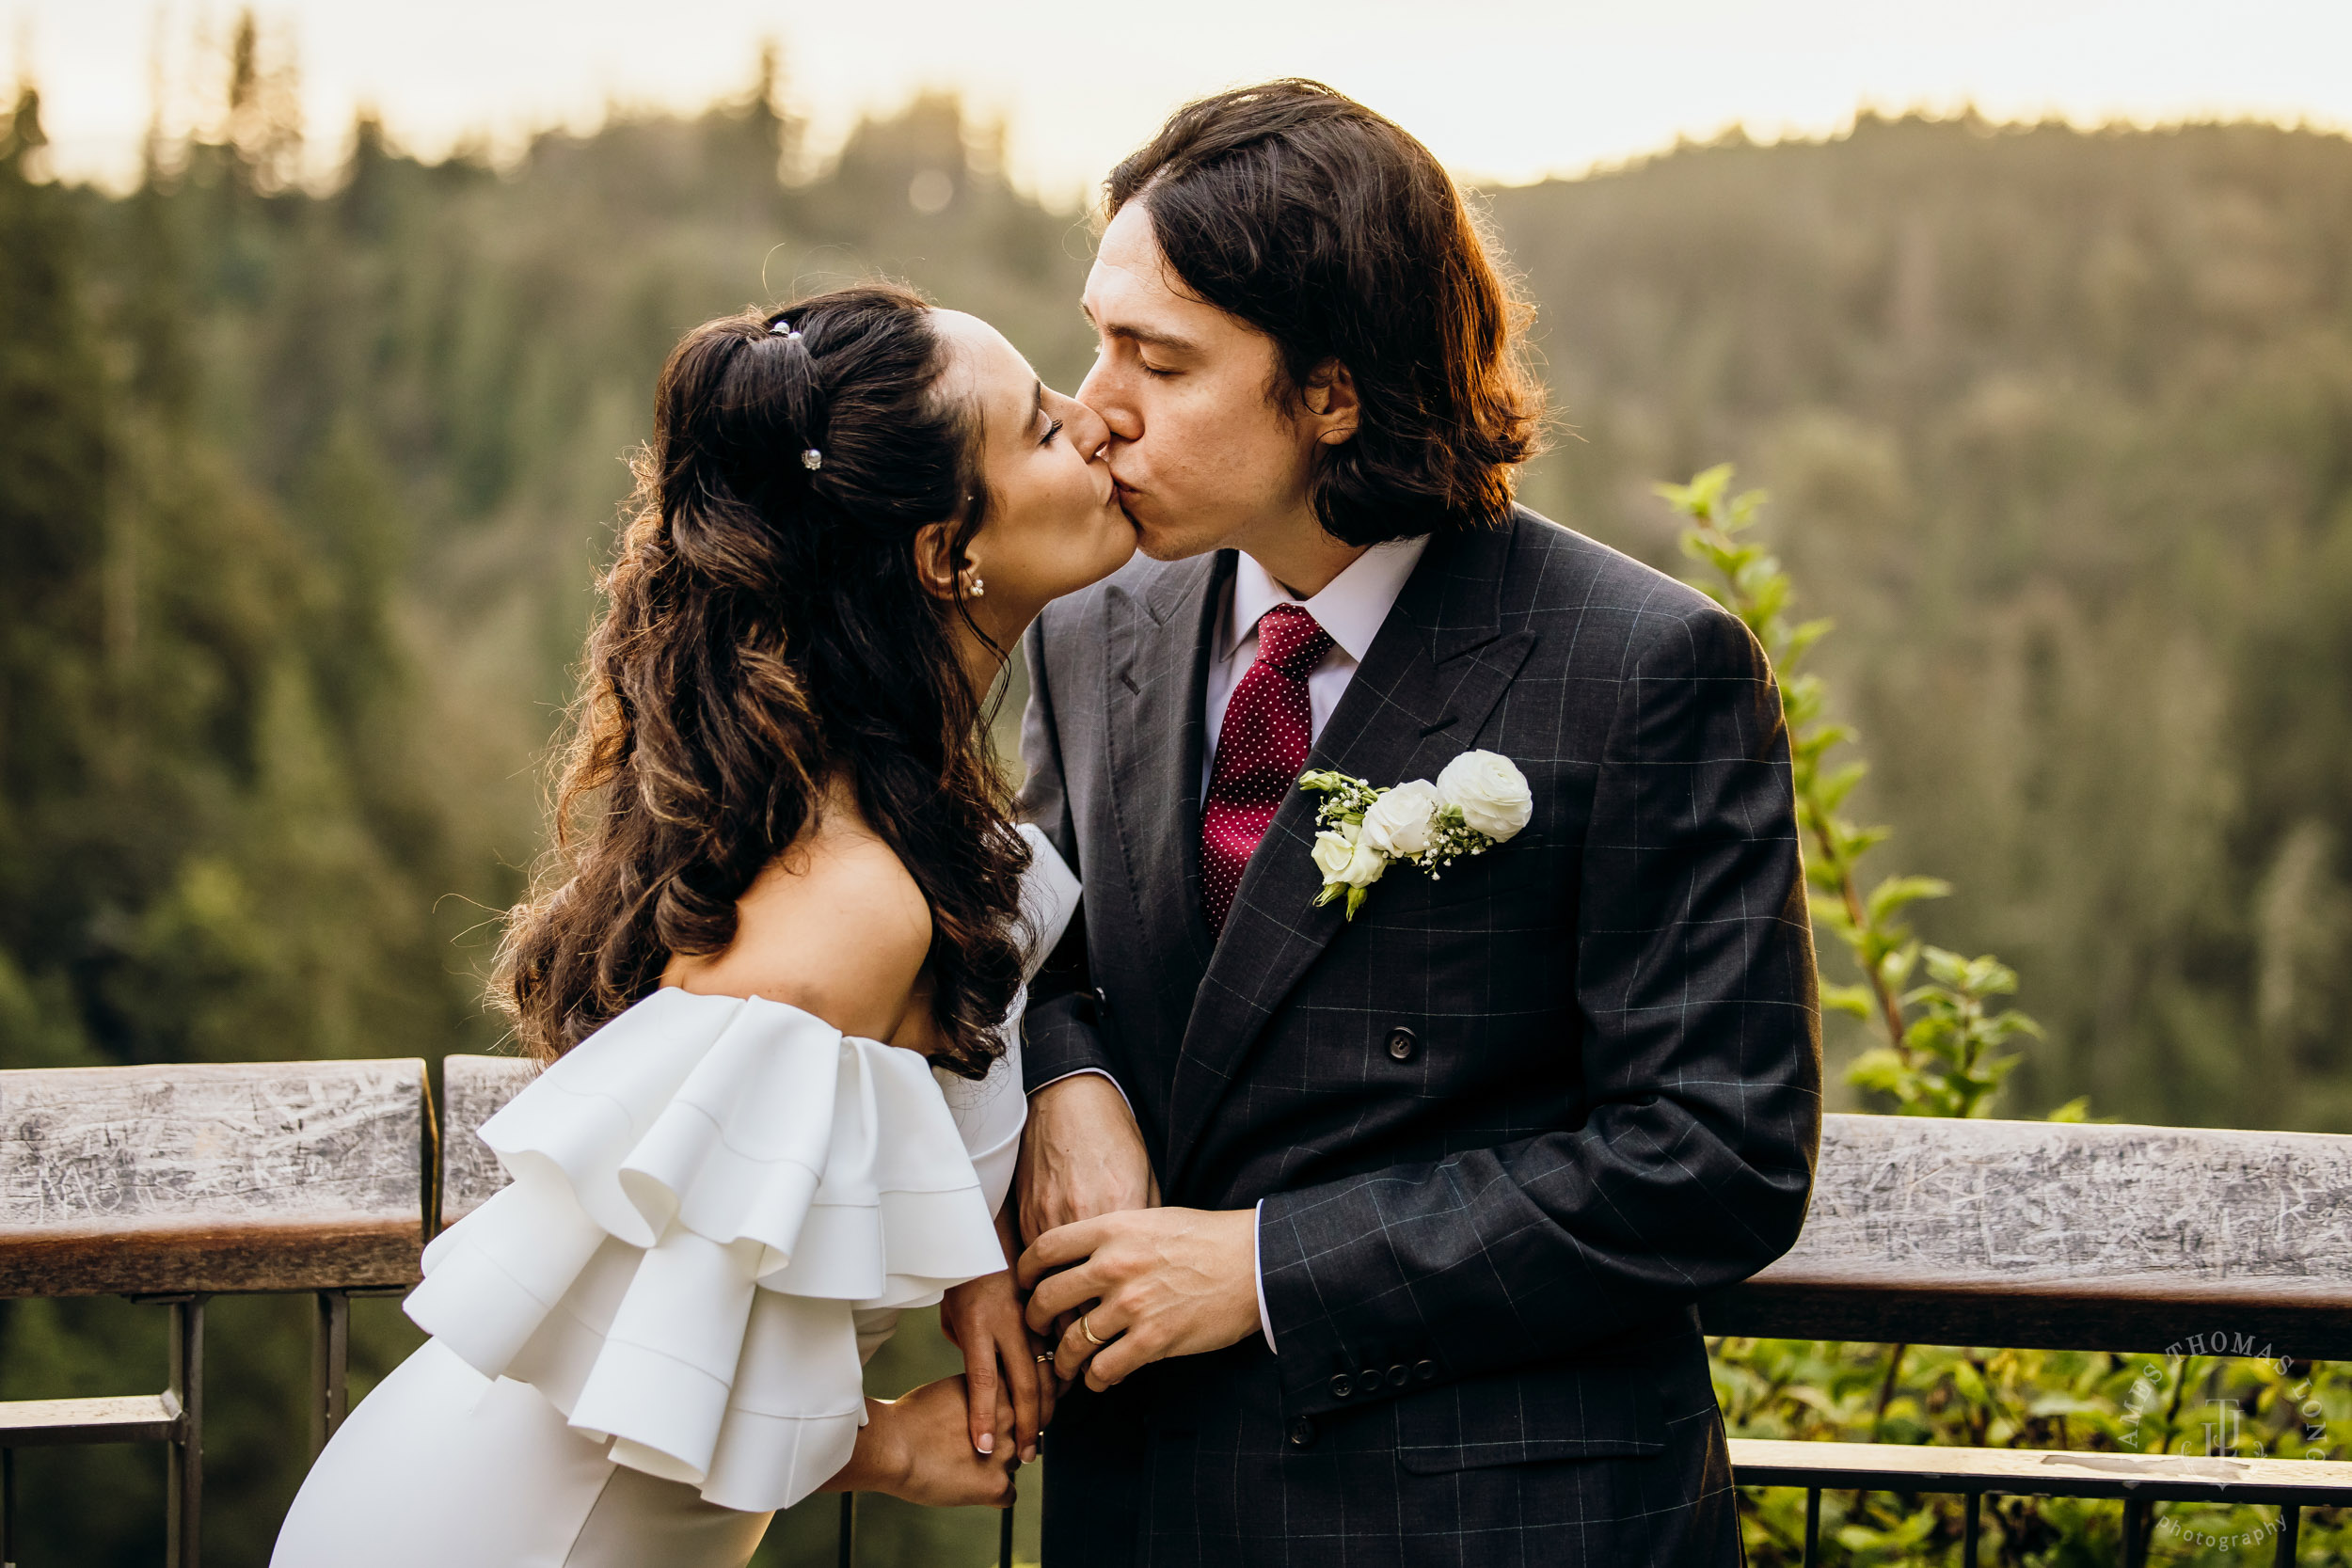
(1506, 1125)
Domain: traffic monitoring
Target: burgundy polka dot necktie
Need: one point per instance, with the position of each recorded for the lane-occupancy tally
(1260, 753)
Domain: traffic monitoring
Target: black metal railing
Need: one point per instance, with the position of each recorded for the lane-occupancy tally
(176, 1417)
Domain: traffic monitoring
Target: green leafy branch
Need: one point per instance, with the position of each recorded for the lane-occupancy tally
(1947, 1064)
(1945, 1060)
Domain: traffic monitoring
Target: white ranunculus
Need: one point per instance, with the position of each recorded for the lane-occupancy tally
(1334, 852)
(1398, 822)
(1491, 791)
(1365, 867)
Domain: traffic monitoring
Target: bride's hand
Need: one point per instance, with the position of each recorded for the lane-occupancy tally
(924, 1451)
(982, 1318)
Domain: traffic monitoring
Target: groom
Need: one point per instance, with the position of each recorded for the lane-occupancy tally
(1442, 1183)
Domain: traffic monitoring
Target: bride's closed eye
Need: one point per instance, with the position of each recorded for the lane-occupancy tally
(1053, 428)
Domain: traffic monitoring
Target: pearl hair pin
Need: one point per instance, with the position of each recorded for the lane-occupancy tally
(811, 458)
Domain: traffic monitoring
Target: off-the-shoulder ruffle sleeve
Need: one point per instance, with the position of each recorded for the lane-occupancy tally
(704, 1192)
(712, 1195)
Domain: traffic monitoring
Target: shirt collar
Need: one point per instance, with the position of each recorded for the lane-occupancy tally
(1351, 607)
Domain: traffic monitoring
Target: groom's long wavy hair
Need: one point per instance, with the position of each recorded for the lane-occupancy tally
(1337, 235)
(766, 632)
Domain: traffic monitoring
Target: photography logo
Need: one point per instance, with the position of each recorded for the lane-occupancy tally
(2221, 1426)
(2225, 1432)
(2222, 1433)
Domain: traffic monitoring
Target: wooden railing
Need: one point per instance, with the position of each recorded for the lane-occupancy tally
(2042, 1235)
(170, 1184)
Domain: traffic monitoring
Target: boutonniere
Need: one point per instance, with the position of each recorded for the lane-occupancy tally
(1479, 800)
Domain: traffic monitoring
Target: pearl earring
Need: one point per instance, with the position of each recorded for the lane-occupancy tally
(980, 587)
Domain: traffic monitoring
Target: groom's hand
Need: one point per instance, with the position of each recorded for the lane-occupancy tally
(1151, 1282)
(1081, 1155)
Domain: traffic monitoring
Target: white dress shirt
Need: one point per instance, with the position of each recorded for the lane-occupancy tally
(1351, 609)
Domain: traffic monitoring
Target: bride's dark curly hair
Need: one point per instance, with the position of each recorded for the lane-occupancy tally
(766, 635)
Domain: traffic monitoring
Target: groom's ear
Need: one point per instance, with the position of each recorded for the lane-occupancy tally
(1333, 409)
(935, 559)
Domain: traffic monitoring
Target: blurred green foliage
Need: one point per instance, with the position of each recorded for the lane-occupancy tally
(301, 497)
(1939, 1060)
(1942, 1063)
(2062, 422)
(2023, 1399)
(302, 491)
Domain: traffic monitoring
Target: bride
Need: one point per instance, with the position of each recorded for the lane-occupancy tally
(776, 977)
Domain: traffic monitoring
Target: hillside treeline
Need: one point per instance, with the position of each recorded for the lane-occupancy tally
(2059, 427)
(301, 498)
(302, 492)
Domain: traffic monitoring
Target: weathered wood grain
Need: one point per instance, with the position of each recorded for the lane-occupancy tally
(474, 1088)
(246, 1176)
(2027, 1472)
(2036, 1234)
(113, 1419)
(307, 1175)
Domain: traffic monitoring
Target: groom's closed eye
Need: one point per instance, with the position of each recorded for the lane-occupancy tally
(1167, 343)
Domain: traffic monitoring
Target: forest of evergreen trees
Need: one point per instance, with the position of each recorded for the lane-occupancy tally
(302, 491)
(2059, 427)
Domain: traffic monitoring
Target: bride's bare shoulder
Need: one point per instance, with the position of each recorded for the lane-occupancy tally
(836, 926)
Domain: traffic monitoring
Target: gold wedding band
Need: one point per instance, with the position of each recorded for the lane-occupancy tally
(1089, 1332)
(1044, 1359)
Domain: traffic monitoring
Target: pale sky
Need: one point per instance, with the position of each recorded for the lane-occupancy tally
(1501, 89)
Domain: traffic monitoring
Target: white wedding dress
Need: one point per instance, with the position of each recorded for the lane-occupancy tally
(654, 1337)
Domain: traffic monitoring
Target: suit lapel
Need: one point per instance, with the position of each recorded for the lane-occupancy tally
(1437, 670)
(1156, 670)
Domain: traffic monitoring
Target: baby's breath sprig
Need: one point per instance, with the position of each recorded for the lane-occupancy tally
(1345, 800)
(1450, 839)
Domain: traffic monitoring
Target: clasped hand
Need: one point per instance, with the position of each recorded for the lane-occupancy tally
(1107, 1264)
(1146, 1284)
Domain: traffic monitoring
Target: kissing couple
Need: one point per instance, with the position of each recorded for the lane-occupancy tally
(1321, 1093)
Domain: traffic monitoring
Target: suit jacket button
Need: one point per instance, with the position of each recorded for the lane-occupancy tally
(1397, 1375)
(1302, 1432)
(1424, 1370)
(1341, 1387)
(1400, 1043)
(1102, 1002)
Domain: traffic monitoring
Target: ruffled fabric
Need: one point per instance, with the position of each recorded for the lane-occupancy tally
(719, 1206)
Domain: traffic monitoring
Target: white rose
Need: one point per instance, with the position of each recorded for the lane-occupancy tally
(1491, 791)
(1398, 822)
(1334, 851)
